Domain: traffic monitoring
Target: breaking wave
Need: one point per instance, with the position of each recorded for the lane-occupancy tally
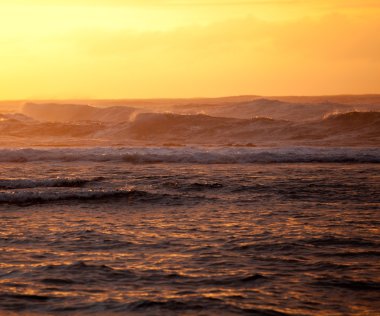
(31, 197)
(38, 183)
(197, 155)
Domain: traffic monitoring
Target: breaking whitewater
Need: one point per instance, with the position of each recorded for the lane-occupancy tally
(235, 122)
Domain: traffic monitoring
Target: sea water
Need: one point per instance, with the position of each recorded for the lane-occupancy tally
(190, 231)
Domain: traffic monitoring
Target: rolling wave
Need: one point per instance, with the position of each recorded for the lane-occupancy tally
(37, 183)
(32, 197)
(197, 155)
(112, 126)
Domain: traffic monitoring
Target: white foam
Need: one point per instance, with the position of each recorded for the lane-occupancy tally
(36, 183)
(32, 197)
(196, 155)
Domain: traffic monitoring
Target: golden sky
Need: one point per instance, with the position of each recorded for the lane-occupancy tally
(183, 48)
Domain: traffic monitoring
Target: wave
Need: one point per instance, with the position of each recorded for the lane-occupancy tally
(354, 118)
(15, 117)
(195, 306)
(353, 285)
(31, 197)
(347, 129)
(195, 186)
(197, 155)
(352, 128)
(38, 183)
(77, 112)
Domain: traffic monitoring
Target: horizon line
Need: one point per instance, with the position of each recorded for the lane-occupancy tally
(190, 98)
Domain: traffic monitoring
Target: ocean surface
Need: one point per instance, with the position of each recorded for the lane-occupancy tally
(190, 231)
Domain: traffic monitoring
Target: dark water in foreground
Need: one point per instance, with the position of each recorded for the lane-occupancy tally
(189, 239)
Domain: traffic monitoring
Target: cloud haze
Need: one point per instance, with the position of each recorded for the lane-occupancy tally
(157, 52)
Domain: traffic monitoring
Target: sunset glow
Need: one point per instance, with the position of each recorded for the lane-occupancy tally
(129, 49)
(189, 157)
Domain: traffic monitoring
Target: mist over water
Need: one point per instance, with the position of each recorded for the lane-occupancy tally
(243, 122)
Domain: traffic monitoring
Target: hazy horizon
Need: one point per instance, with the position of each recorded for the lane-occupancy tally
(194, 97)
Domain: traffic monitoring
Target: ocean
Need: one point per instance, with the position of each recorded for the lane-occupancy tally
(190, 231)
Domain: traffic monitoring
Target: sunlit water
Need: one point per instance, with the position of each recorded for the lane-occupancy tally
(189, 239)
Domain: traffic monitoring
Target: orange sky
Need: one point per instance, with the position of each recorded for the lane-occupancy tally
(144, 49)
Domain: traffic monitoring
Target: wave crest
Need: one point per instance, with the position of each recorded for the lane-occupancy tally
(31, 197)
(197, 155)
(43, 183)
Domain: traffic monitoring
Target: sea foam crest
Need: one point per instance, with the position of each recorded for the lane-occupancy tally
(33, 197)
(198, 155)
(52, 182)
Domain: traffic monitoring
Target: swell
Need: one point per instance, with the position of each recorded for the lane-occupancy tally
(342, 243)
(197, 155)
(41, 183)
(354, 285)
(31, 197)
(73, 276)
